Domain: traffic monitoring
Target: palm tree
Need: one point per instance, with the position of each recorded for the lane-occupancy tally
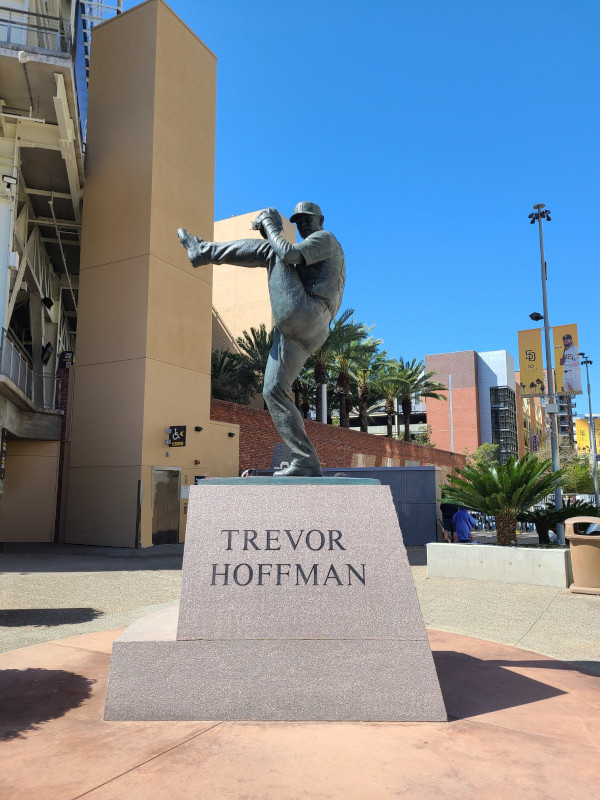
(254, 348)
(504, 490)
(389, 384)
(344, 334)
(229, 379)
(342, 389)
(305, 398)
(416, 382)
(364, 390)
(365, 374)
(296, 388)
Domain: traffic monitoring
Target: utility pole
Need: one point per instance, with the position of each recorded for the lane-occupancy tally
(587, 361)
(552, 407)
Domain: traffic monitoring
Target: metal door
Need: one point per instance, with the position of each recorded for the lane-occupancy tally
(165, 506)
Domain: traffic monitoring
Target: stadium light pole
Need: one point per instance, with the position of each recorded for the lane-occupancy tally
(539, 215)
(587, 361)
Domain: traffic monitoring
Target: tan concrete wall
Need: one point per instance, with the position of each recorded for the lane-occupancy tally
(241, 295)
(224, 449)
(144, 332)
(28, 506)
(222, 337)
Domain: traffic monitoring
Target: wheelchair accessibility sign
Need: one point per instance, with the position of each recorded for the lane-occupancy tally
(177, 436)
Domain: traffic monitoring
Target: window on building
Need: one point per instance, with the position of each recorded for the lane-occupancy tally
(504, 422)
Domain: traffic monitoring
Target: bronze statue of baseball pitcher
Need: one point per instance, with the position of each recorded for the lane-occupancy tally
(306, 283)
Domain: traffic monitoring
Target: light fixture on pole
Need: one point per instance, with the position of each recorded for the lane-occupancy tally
(587, 361)
(538, 215)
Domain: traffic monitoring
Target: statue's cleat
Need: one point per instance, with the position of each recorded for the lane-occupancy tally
(298, 469)
(193, 245)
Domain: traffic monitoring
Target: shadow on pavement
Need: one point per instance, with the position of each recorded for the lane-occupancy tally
(46, 617)
(47, 557)
(471, 686)
(33, 696)
(417, 556)
(592, 667)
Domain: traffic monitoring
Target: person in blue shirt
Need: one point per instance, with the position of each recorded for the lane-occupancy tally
(464, 524)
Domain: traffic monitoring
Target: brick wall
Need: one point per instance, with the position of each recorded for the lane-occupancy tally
(465, 406)
(336, 447)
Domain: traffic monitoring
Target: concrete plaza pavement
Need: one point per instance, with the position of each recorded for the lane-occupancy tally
(519, 724)
(50, 592)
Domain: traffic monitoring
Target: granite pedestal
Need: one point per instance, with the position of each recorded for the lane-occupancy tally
(297, 603)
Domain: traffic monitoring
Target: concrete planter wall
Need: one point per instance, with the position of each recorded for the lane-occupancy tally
(482, 562)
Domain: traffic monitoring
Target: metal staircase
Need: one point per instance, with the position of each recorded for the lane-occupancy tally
(93, 14)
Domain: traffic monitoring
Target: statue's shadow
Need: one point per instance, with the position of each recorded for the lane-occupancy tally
(472, 686)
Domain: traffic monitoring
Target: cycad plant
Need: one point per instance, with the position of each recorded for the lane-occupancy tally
(548, 517)
(504, 491)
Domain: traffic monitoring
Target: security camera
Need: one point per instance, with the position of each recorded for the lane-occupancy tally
(9, 180)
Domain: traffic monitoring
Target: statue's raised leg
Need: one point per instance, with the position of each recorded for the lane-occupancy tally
(241, 253)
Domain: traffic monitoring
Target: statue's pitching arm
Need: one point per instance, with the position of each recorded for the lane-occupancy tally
(269, 221)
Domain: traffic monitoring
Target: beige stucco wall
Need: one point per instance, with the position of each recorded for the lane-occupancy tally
(28, 509)
(144, 332)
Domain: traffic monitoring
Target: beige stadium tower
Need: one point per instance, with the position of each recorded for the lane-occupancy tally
(145, 315)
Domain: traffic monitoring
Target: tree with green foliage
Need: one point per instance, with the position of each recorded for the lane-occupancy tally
(231, 380)
(389, 385)
(415, 381)
(344, 330)
(254, 348)
(364, 392)
(577, 477)
(357, 351)
(424, 438)
(366, 363)
(486, 454)
(504, 490)
(347, 348)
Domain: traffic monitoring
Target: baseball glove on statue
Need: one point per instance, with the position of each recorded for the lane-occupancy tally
(268, 215)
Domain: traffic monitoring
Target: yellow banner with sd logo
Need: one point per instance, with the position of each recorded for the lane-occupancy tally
(531, 365)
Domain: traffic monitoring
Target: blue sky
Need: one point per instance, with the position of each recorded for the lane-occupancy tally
(425, 131)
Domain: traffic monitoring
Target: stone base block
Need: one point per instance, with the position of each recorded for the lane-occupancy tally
(297, 603)
(154, 676)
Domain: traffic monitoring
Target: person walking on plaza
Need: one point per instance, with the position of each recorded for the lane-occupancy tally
(306, 282)
(463, 525)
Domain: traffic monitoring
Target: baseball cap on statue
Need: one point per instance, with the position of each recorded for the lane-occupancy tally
(306, 208)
